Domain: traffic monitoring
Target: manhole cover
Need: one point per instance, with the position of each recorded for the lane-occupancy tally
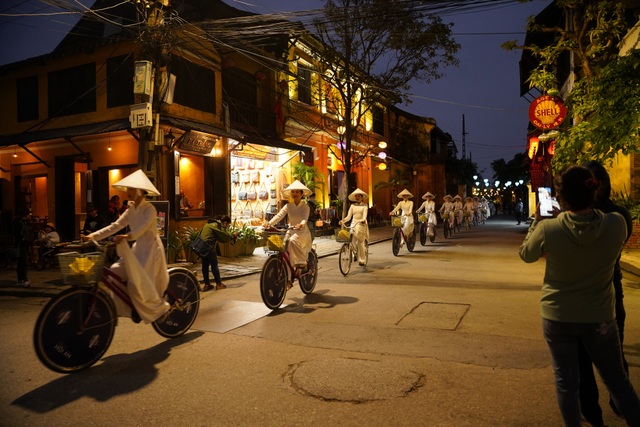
(352, 380)
(435, 315)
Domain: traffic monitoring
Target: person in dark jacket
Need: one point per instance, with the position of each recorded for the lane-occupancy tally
(92, 223)
(22, 239)
(214, 231)
(589, 395)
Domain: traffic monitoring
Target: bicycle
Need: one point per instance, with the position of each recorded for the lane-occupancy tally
(398, 236)
(76, 327)
(447, 229)
(425, 225)
(349, 252)
(278, 274)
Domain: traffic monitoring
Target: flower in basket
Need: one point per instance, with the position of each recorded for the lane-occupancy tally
(343, 236)
(81, 265)
(275, 243)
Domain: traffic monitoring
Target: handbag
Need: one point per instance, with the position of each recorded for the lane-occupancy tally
(252, 194)
(242, 194)
(245, 178)
(263, 194)
(200, 247)
(247, 210)
(255, 176)
(235, 177)
(273, 194)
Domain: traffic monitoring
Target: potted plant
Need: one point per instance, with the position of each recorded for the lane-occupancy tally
(187, 237)
(248, 239)
(174, 246)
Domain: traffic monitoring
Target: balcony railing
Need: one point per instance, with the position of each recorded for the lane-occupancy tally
(244, 116)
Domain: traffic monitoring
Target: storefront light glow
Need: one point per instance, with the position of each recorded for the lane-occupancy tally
(382, 166)
(382, 145)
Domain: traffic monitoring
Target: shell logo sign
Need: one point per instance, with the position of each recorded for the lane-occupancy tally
(547, 112)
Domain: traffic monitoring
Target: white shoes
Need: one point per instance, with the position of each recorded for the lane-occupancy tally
(24, 283)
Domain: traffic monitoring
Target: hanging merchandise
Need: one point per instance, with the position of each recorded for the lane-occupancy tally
(263, 194)
(252, 194)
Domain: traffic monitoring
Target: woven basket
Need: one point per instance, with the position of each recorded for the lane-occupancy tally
(422, 218)
(343, 236)
(396, 221)
(275, 243)
(445, 215)
(80, 269)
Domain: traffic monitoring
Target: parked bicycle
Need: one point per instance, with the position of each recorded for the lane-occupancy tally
(278, 273)
(399, 236)
(349, 251)
(76, 327)
(426, 229)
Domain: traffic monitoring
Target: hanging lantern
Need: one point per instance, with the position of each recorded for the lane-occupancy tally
(552, 148)
(382, 166)
(533, 146)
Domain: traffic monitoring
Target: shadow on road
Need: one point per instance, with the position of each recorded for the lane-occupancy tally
(117, 375)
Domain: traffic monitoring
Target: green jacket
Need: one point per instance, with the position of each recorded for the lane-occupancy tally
(580, 251)
(213, 232)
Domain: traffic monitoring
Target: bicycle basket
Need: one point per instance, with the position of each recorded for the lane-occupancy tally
(422, 218)
(396, 221)
(343, 236)
(275, 243)
(80, 269)
(445, 215)
(467, 213)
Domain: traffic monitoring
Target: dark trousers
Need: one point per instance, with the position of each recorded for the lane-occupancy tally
(23, 262)
(211, 260)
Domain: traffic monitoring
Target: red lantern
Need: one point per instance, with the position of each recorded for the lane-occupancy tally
(552, 148)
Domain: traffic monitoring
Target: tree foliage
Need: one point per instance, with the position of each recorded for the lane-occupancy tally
(372, 51)
(514, 170)
(604, 101)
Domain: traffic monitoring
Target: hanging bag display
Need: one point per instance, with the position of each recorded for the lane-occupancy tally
(258, 212)
(245, 178)
(247, 210)
(255, 176)
(233, 195)
(235, 177)
(237, 209)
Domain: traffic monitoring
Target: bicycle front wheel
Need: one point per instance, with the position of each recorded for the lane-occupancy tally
(344, 258)
(423, 234)
(273, 282)
(395, 243)
(74, 329)
(309, 278)
(183, 296)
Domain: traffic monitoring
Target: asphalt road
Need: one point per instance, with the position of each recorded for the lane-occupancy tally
(446, 336)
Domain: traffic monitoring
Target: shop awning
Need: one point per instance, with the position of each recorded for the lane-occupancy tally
(25, 138)
(187, 125)
(274, 142)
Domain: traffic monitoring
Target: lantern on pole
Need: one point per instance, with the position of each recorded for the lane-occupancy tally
(533, 146)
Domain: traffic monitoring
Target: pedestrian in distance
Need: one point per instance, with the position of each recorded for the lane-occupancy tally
(359, 229)
(214, 232)
(581, 246)
(22, 240)
(297, 213)
(519, 210)
(143, 265)
(589, 394)
(92, 223)
(404, 208)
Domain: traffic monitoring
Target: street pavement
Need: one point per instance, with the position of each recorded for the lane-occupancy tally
(48, 282)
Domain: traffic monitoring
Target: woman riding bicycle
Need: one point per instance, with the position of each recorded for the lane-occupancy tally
(447, 210)
(358, 212)
(298, 235)
(429, 207)
(144, 265)
(405, 209)
(458, 210)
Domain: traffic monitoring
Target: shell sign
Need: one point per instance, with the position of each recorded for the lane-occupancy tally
(547, 112)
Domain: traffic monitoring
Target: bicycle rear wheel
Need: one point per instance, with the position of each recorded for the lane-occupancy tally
(445, 229)
(395, 243)
(273, 282)
(74, 329)
(183, 295)
(309, 278)
(344, 259)
(366, 253)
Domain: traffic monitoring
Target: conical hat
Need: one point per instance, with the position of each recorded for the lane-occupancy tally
(448, 196)
(427, 194)
(457, 196)
(296, 185)
(137, 180)
(404, 192)
(352, 196)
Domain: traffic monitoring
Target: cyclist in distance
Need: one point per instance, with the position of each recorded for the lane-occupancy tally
(144, 265)
(447, 208)
(358, 212)
(458, 209)
(405, 209)
(297, 212)
(429, 207)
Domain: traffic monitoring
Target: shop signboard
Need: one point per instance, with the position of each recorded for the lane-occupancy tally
(547, 112)
(198, 142)
(162, 208)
